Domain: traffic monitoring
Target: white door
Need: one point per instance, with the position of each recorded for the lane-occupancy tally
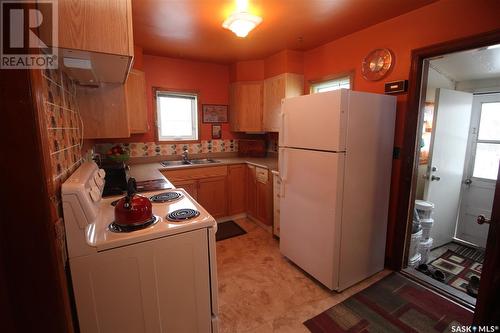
(481, 169)
(446, 160)
(316, 121)
(310, 203)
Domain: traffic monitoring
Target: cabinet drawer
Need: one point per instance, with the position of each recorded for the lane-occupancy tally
(195, 173)
(262, 175)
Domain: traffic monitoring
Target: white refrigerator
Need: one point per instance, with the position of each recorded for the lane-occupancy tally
(335, 161)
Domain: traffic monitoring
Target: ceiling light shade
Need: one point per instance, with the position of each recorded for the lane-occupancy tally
(241, 23)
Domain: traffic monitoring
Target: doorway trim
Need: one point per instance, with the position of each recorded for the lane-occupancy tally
(409, 150)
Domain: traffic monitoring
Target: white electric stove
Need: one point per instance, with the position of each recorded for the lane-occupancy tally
(161, 278)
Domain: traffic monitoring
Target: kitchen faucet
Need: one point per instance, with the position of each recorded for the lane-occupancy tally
(185, 157)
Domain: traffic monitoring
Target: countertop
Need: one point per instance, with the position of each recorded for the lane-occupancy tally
(151, 171)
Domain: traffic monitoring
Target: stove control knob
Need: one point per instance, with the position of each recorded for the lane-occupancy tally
(101, 173)
(95, 194)
(99, 181)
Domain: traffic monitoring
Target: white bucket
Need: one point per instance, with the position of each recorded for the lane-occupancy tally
(424, 209)
(426, 225)
(414, 261)
(424, 248)
(415, 240)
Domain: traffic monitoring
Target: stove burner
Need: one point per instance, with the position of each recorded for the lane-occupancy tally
(114, 203)
(120, 228)
(183, 214)
(165, 197)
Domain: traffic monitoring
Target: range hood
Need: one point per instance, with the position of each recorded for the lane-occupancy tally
(92, 68)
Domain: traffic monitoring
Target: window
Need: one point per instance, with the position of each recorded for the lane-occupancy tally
(177, 115)
(338, 83)
(488, 142)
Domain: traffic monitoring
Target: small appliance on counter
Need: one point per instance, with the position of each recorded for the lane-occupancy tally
(115, 181)
(251, 148)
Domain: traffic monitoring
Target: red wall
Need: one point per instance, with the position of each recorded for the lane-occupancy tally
(210, 81)
(441, 21)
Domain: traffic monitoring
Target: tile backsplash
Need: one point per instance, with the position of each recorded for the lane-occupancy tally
(145, 149)
(62, 123)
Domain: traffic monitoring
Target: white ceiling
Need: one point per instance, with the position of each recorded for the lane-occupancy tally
(469, 65)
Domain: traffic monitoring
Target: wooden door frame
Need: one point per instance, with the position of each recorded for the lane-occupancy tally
(409, 150)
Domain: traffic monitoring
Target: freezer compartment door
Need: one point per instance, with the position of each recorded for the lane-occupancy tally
(310, 203)
(316, 121)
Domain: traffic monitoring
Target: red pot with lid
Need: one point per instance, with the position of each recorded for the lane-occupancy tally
(133, 209)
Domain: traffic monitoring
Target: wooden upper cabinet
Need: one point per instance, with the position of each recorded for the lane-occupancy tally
(246, 99)
(135, 93)
(275, 89)
(104, 111)
(236, 189)
(103, 26)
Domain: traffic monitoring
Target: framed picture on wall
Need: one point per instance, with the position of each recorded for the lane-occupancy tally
(216, 132)
(214, 113)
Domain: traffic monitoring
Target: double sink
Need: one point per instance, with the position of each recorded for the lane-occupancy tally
(189, 162)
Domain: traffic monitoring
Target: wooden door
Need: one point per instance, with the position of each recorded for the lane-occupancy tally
(212, 195)
(274, 92)
(488, 300)
(191, 187)
(104, 111)
(135, 93)
(103, 26)
(275, 89)
(236, 189)
(247, 106)
(251, 191)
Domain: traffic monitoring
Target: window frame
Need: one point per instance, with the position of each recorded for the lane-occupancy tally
(325, 79)
(476, 141)
(167, 91)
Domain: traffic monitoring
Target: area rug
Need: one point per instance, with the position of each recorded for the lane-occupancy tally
(470, 253)
(457, 269)
(227, 230)
(394, 304)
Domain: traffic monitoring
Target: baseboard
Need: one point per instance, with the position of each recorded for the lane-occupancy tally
(268, 228)
(231, 218)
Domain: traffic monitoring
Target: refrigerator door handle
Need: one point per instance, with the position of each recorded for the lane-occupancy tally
(283, 160)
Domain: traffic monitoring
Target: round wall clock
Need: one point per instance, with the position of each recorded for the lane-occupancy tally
(377, 64)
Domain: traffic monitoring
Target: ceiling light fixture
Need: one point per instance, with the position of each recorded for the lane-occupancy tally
(241, 22)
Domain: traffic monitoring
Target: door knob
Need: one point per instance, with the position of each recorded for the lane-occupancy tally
(481, 219)
(436, 178)
(468, 181)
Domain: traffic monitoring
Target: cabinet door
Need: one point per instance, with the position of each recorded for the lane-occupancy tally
(264, 194)
(274, 92)
(275, 89)
(135, 92)
(236, 189)
(104, 112)
(103, 26)
(251, 191)
(212, 195)
(191, 187)
(247, 106)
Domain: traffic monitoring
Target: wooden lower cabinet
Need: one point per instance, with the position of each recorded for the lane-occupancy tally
(191, 187)
(212, 195)
(251, 192)
(236, 184)
(228, 190)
